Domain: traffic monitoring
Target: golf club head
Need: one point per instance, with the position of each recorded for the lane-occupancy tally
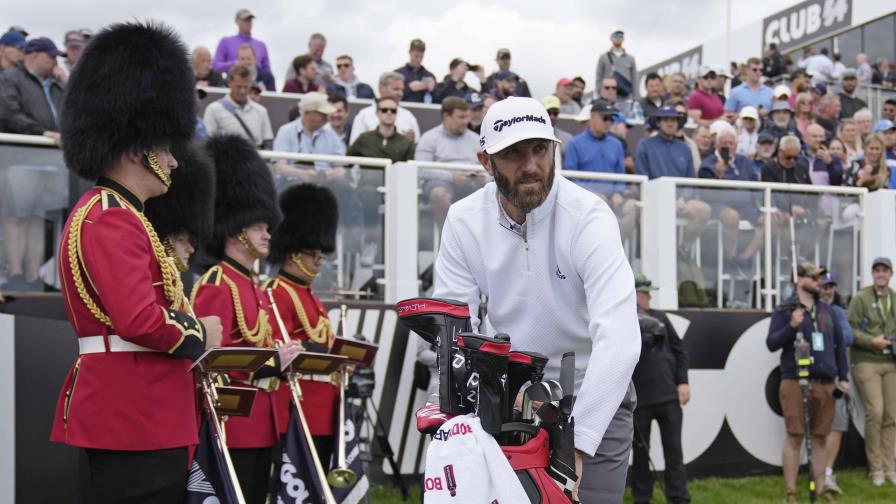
(547, 414)
(556, 389)
(533, 392)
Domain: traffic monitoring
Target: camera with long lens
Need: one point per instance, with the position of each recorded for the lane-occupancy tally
(362, 383)
(653, 331)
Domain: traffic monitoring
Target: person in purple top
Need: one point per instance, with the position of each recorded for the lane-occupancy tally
(228, 48)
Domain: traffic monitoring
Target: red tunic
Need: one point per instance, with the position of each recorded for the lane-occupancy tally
(319, 399)
(214, 295)
(123, 400)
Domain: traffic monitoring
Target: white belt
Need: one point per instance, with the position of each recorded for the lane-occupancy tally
(95, 344)
(320, 378)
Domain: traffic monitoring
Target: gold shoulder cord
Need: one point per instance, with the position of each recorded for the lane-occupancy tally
(171, 282)
(261, 334)
(322, 333)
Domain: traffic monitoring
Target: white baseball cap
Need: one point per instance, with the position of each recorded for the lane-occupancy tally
(781, 90)
(749, 112)
(316, 102)
(512, 120)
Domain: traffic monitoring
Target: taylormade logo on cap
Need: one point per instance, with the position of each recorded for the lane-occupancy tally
(513, 120)
(500, 124)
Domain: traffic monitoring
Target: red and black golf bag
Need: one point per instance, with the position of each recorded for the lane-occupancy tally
(479, 374)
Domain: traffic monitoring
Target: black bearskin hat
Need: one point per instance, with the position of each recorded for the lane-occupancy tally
(132, 90)
(189, 204)
(244, 192)
(310, 216)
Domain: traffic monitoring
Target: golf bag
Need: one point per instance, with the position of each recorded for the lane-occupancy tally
(478, 374)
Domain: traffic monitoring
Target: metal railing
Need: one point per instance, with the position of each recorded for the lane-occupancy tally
(656, 222)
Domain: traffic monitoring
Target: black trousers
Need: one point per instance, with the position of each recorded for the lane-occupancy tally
(253, 470)
(668, 415)
(137, 477)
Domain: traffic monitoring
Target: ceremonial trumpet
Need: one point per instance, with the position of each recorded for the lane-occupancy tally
(341, 476)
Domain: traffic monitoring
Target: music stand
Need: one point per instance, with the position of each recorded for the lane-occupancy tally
(358, 352)
(228, 400)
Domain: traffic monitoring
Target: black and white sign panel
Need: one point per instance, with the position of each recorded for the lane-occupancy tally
(805, 22)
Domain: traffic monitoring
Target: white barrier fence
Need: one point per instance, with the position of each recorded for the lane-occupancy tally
(652, 244)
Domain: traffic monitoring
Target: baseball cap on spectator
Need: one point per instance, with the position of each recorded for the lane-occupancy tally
(418, 45)
(74, 38)
(720, 71)
(809, 269)
(828, 279)
(584, 115)
(765, 138)
(14, 39)
(244, 14)
(551, 102)
(749, 112)
(882, 261)
(43, 44)
(781, 91)
(476, 100)
(515, 119)
(781, 105)
(643, 284)
(564, 82)
(505, 75)
(503, 53)
(849, 73)
(618, 34)
(19, 29)
(819, 88)
(705, 70)
(316, 102)
(666, 111)
(603, 107)
(883, 125)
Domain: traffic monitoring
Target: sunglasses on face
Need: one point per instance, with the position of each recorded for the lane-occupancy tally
(387, 110)
(343, 65)
(610, 87)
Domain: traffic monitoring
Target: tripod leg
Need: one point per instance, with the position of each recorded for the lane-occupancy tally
(382, 439)
(808, 433)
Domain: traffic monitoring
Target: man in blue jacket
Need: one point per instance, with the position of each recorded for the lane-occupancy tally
(666, 155)
(817, 323)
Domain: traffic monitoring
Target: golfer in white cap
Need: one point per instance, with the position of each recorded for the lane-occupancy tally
(547, 253)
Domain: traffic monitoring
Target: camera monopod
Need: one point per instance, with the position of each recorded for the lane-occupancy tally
(803, 353)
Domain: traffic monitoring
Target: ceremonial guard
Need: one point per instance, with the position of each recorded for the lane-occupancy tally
(245, 209)
(129, 400)
(308, 230)
(183, 217)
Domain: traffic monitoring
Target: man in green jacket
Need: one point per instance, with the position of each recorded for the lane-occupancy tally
(872, 315)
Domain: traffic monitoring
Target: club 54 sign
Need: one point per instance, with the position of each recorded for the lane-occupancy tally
(805, 22)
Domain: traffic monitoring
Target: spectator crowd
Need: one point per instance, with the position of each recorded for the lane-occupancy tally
(732, 125)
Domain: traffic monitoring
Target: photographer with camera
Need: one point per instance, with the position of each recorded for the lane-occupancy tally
(871, 315)
(802, 321)
(661, 381)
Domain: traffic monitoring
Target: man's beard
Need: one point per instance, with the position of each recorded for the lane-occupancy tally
(527, 200)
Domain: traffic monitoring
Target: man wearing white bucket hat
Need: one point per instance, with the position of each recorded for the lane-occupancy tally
(547, 253)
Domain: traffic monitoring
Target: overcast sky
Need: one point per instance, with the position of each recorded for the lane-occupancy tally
(548, 39)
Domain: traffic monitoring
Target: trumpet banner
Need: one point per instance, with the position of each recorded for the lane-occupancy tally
(299, 482)
(209, 481)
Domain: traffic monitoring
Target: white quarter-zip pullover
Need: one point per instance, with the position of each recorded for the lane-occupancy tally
(561, 283)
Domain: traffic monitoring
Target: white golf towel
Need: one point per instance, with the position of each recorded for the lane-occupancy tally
(464, 464)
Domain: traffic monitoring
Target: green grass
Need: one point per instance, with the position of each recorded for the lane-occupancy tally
(857, 488)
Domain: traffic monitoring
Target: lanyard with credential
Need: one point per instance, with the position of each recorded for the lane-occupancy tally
(884, 312)
(814, 320)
